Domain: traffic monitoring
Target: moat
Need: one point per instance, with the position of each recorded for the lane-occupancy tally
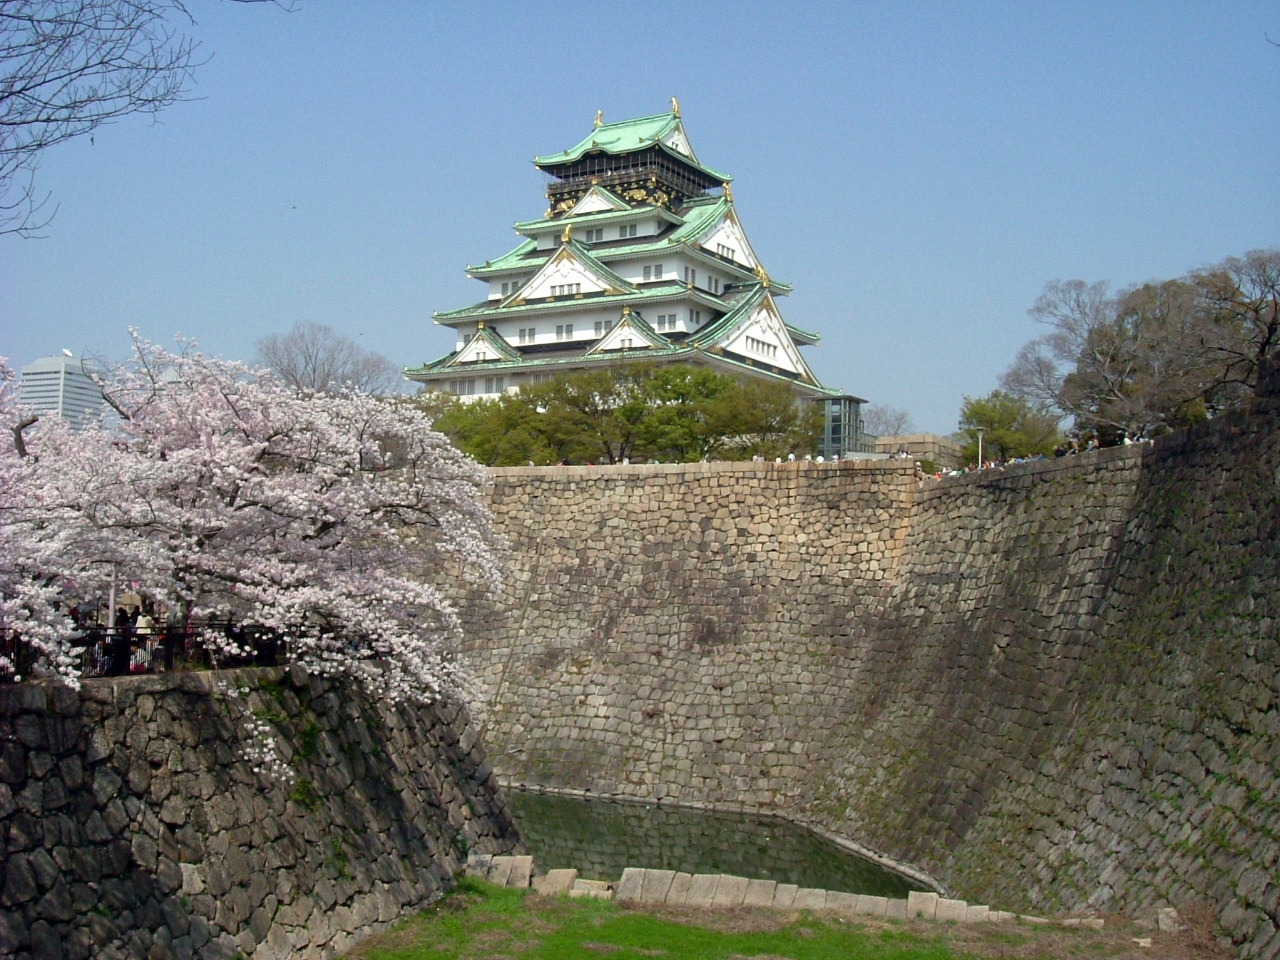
(600, 838)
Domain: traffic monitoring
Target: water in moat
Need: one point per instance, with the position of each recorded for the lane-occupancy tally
(600, 838)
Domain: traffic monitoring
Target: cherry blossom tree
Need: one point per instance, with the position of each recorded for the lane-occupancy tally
(330, 520)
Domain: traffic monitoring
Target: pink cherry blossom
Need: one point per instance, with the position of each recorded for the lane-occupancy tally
(333, 521)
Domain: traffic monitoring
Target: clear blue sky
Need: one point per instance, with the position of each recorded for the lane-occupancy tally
(917, 170)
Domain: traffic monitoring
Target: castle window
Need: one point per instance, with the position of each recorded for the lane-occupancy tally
(594, 236)
(565, 289)
(626, 231)
(527, 334)
(657, 271)
(695, 317)
(494, 384)
(564, 331)
(648, 272)
(603, 327)
(764, 349)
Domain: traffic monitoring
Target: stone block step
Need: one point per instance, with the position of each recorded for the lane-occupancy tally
(641, 885)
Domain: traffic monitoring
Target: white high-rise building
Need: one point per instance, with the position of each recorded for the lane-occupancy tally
(61, 385)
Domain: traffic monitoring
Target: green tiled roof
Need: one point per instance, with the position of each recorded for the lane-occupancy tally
(513, 259)
(628, 136)
(747, 301)
(548, 224)
(621, 137)
(673, 352)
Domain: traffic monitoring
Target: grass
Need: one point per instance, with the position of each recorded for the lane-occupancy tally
(482, 922)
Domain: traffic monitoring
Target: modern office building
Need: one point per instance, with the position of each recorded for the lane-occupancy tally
(61, 385)
(843, 431)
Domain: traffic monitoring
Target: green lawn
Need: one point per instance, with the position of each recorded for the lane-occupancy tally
(483, 922)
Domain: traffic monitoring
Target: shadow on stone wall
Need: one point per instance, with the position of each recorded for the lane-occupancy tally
(1055, 686)
(135, 826)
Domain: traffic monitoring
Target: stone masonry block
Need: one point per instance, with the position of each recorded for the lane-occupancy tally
(679, 890)
(977, 913)
(872, 906)
(809, 898)
(842, 903)
(921, 906)
(591, 888)
(785, 896)
(760, 893)
(954, 911)
(656, 885)
(895, 909)
(702, 889)
(521, 872)
(730, 891)
(555, 882)
(630, 886)
(500, 870)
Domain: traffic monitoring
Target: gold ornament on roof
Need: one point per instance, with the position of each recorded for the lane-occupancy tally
(599, 118)
(728, 193)
(764, 277)
(568, 233)
(675, 106)
(626, 310)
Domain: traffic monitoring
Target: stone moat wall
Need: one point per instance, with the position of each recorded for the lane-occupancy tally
(137, 821)
(1055, 686)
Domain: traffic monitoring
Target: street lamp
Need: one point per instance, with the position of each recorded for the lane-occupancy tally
(980, 448)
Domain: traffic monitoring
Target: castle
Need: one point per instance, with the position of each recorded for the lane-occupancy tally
(640, 257)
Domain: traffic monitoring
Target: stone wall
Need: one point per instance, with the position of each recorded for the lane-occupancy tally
(1054, 686)
(137, 821)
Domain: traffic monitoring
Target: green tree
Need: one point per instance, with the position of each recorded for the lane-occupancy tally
(764, 419)
(505, 432)
(1011, 427)
(677, 427)
(641, 412)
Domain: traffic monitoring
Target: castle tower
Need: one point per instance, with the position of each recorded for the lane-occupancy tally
(640, 257)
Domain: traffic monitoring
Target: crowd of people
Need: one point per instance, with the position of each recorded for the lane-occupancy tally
(137, 638)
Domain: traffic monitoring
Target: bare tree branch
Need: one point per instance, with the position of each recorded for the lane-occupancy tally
(315, 358)
(70, 66)
(882, 421)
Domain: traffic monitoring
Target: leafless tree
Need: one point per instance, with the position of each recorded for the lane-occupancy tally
(316, 358)
(1154, 357)
(882, 421)
(1242, 296)
(69, 66)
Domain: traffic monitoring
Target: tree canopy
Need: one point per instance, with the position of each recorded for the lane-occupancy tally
(643, 412)
(316, 358)
(328, 519)
(1156, 357)
(1011, 427)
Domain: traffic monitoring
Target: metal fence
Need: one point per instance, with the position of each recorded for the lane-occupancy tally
(121, 652)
